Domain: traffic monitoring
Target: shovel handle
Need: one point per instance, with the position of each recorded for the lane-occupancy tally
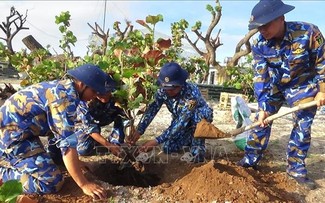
(273, 117)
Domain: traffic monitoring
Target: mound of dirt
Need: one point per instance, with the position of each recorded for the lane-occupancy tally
(225, 182)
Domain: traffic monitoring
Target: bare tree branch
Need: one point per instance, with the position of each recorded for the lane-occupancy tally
(127, 29)
(14, 23)
(101, 34)
(211, 44)
(193, 44)
(97, 30)
(239, 52)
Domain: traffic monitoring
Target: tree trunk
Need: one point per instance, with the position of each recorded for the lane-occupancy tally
(32, 44)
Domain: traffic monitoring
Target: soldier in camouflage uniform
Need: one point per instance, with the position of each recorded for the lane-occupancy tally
(43, 109)
(94, 115)
(91, 116)
(289, 68)
(187, 106)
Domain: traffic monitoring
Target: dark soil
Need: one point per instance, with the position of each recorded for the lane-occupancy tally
(127, 175)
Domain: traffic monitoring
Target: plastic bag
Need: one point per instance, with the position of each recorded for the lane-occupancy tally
(241, 115)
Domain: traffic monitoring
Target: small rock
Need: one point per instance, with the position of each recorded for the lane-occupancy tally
(159, 191)
(136, 191)
(261, 196)
(165, 185)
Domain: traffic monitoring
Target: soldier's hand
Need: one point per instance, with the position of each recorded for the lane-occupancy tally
(95, 191)
(148, 146)
(132, 139)
(320, 98)
(115, 149)
(262, 115)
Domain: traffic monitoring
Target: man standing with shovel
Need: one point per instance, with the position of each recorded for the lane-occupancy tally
(289, 68)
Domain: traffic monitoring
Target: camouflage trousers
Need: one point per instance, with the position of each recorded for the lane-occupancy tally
(28, 162)
(299, 140)
(185, 139)
(87, 145)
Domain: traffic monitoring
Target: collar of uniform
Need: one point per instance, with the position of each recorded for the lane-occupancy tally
(69, 85)
(287, 35)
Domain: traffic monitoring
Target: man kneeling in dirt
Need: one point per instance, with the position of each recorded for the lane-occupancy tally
(40, 110)
(91, 116)
(188, 108)
(94, 115)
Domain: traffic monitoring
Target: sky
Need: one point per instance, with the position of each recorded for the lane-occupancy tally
(233, 22)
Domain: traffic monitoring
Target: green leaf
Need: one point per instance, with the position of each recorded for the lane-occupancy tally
(136, 102)
(209, 8)
(10, 190)
(63, 17)
(117, 76)
(121, 93)
(128, 73)
(238, 86)
(62, 28)
(218, 8)
(154, 19)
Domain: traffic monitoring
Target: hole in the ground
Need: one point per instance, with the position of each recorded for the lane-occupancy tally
(112, 173)
(158, 170)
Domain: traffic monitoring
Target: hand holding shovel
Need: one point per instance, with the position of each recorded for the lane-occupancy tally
(207, 130)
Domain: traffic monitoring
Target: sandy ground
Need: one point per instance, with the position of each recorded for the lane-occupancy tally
(178, 179)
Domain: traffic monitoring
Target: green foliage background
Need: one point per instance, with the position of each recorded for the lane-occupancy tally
(133, 60)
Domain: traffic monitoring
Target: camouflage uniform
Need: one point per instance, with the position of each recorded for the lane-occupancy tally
(30, 113)
(291, 73)
(187, 109)
(92, 117)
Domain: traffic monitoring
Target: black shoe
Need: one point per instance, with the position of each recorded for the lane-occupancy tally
(307, 183)
(246, 165)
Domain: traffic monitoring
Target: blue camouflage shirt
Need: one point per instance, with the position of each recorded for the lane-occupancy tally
(38, 110)
(188, 105)
(91, 116)
(296, 61)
